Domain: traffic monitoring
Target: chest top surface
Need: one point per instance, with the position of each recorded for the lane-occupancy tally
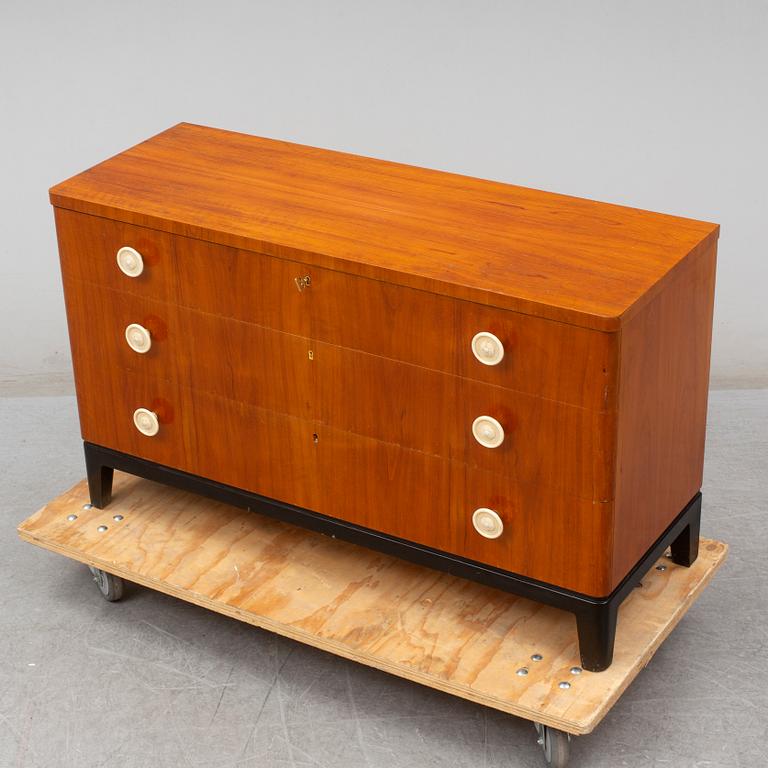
(564, 258)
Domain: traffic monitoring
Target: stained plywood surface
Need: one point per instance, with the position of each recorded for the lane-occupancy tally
(425, 626)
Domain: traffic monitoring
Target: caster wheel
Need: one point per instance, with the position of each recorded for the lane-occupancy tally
(110, 586)
(555, 744)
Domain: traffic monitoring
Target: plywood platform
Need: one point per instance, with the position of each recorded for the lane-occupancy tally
(428, 627)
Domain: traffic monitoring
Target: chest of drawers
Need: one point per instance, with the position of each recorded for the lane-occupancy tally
(503, 383)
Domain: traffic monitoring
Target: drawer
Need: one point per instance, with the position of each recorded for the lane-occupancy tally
(88, 247)
(106, 415)
(547, 534)
(420, 497)
(545, 442)
(540, 357)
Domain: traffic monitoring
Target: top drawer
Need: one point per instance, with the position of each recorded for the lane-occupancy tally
(539, 357)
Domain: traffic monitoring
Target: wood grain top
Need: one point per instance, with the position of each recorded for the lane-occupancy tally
(559, 257)
(432, 628)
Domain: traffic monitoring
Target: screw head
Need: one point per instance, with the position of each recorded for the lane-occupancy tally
(522, 672)
(71, 518)
(87, 506)
(117, 518)
(576, 670)
(101, 528)
(536, 657)
(564, 685)
(661, 567)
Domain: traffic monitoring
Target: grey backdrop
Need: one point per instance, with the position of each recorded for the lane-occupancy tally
(658, 105)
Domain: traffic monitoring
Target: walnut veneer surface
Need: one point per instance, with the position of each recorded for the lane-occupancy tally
(354, 395)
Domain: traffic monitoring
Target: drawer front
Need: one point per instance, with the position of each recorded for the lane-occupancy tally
(545, 442)
(88, 248)
(420, 497)
(540, 357)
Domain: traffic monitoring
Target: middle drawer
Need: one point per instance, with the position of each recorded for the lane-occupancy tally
(544, 442)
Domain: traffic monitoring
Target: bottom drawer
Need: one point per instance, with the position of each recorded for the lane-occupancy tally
(547, 536)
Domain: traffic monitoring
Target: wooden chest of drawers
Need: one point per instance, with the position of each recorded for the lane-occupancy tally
(505, 383)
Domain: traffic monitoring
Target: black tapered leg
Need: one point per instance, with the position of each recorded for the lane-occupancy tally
(685, 548)
(596, 626)
(99, 478)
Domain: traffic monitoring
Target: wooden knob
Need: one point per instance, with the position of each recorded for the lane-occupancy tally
(146, 422)
(488, 431)
(487, 523)
(138, 338)
(487, 348)
(130, 262)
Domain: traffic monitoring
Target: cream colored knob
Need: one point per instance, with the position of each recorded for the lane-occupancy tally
(487, 523)
(488, 432)
(130, 262)
(487, 348)
(146, 422)
(138, 338)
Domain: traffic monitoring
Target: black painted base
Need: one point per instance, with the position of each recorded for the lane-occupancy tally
(595, 616)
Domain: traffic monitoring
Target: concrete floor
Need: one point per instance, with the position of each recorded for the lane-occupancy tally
(153, 682)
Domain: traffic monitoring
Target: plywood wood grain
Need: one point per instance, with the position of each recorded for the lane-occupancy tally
(428, 627)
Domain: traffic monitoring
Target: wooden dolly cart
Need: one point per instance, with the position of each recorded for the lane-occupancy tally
(438, 630)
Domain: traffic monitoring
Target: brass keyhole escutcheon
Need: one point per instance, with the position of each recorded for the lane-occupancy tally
(302, 282)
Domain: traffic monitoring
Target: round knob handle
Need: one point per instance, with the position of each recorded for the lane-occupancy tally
(487, 348)
(146, 422)
(138, 338)
(130, 262)
(488, 431)
(487, 523)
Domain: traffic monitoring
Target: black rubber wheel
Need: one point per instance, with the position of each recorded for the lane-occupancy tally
(555, 744)
(111, 587)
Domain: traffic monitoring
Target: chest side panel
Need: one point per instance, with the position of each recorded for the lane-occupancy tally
(663, 390)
